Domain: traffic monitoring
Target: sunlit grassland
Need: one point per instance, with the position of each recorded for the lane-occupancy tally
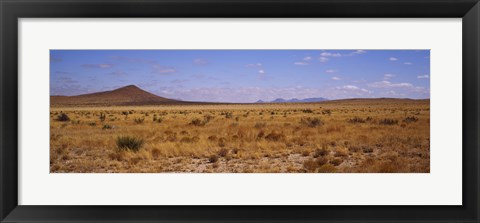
(337, 136)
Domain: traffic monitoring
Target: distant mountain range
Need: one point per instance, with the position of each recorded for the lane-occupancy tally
(133, 95)
(293, 100)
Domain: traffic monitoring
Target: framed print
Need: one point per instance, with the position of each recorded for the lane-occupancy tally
(239, 111)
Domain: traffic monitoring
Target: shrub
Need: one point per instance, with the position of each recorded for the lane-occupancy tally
(207, 118)
(321, 161)
(311, 165)
(305, 153)
(320, 152)
(223, 152)
(410, 119)
(336, 161)
(107, 126)
(327, 112)
(129, 143)
(213, 158)
(159, 120)
(139, 120)
(340, 153)
(199, 122)
(63, 117)
(275, 136)
(367, 149)
(228, 114)
(102, 117)
(92, 123)
(311, 122)
(356, 120)
(354, 148)
(388, 121)
(327, 168)
(307, 111)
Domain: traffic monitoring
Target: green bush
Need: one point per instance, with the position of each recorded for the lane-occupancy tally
(129, 143)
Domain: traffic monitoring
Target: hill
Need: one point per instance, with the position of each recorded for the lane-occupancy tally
(128, 95)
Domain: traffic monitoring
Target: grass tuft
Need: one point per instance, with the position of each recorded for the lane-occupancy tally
(129, 143)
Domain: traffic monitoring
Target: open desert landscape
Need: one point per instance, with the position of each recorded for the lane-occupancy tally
(356, 135)
(240, 111)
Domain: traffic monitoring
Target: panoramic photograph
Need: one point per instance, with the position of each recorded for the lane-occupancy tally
(240, 111)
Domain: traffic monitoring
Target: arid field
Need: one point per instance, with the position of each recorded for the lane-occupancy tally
(349, 136)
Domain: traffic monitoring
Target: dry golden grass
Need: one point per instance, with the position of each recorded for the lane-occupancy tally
(366, 136)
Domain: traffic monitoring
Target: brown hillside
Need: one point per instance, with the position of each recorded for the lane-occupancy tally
(129, 95)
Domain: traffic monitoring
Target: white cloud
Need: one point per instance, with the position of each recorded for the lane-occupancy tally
(323, 59)
(353, 88)
(327, 54)
(359, 52)
(336, 78)
(388, 76)
(426, 76)
(393, 59)
(408, 63)
(388, 84)
(304, 62)
(324, 56)
(261, 71)
(330, 71)
(301, 63)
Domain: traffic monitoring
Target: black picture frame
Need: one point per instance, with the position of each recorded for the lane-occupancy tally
(11, 11)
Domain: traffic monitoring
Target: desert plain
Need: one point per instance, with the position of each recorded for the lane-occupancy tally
(340, 136)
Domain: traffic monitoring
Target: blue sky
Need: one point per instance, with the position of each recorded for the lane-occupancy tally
(245, 75)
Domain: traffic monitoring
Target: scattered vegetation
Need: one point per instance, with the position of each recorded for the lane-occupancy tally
(385, 136)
